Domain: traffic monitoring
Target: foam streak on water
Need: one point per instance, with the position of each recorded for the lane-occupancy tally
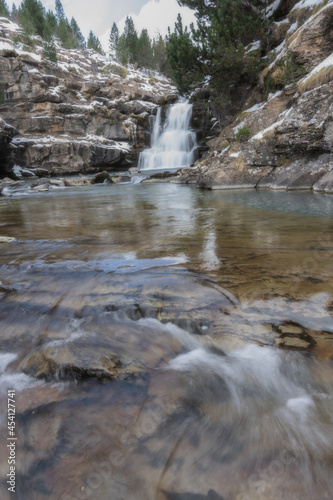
(265, 392)
(173, 144)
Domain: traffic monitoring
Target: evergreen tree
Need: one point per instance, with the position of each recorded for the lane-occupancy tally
(183, 57)
(63, 30)
(4, 10)
(49, 49)
(114, 38)
(32, 17)
(94, 43)
(144, 56)
(79, 40)
(60, 13)
(122, 50)
(160, 57)
(131, 38)
(50, 25)
(64, 33)
(224, 28)
(14, 16)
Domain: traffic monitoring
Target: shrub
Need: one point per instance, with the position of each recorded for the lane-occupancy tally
(115, 70)
(288, 71)
(152, 80)
(243, 134)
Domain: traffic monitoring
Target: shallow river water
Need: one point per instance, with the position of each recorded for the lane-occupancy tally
(167, 343)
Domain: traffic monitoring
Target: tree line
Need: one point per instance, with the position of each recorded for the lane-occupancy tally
(214, 50)
(133, 48)
(35, 20)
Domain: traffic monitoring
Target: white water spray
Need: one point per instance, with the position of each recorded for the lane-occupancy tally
(173, 144)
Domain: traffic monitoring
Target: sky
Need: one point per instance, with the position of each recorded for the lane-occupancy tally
(99, 15)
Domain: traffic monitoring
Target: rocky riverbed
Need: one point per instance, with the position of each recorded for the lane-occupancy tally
(166, 342)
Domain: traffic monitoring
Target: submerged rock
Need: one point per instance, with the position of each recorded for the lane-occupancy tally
(101, 178)
(72, 361)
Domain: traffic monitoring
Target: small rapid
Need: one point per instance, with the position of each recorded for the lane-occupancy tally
(173, 144)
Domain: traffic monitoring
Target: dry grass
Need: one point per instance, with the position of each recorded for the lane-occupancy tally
(323, 76)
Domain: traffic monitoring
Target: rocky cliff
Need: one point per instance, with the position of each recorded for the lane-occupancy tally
(83, 114)
(283, 136)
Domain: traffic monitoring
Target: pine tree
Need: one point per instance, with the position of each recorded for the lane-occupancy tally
(32, 17)
(49, 49)
(60, 13)
(114, 38)
(4, 10)
(131, 38)
(160, 57)
(94, 43)
(14, 16)
(144, 51)
(122, 50)
(50, 25)
(224, 28)
(79, 40)
(183, 57)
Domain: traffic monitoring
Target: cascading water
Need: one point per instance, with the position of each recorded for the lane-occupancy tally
(173, 144)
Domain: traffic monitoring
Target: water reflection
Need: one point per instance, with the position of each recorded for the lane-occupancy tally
(168, 343)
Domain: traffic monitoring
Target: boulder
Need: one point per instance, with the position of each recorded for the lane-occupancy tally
(101, 178)
(72, 361)
(6, 134)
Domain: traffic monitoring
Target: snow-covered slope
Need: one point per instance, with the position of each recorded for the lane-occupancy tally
(83, 114)
(283, 138)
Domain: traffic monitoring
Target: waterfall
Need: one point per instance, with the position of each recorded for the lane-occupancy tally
(173, 144)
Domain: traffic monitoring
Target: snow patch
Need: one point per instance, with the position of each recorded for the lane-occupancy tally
(253, 46)
(324, 64)
(292, 28)
(272, 8)
(306, 4)
(261, 134)
(255, 107)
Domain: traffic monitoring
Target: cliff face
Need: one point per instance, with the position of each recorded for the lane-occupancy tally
(284, 139)
(82, 115)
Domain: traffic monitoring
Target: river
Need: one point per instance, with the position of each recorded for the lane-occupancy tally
(167, 343)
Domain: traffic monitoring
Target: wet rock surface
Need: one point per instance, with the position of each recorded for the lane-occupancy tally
(160, 363)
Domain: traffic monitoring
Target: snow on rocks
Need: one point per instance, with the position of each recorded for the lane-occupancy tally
(76, 116)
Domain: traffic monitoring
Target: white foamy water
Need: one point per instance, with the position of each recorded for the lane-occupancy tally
(12, 380)
(173, 144)
(265, 392)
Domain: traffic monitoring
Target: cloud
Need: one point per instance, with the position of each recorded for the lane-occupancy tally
(158, 15)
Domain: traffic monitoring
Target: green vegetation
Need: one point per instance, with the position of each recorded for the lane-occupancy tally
(243, 134)
(152, 80)
(184, 58)
(288, 71)
(4, 10)
(131, 48)
(115, 70)
(94, 43)
(216, 48)
(35, 20)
